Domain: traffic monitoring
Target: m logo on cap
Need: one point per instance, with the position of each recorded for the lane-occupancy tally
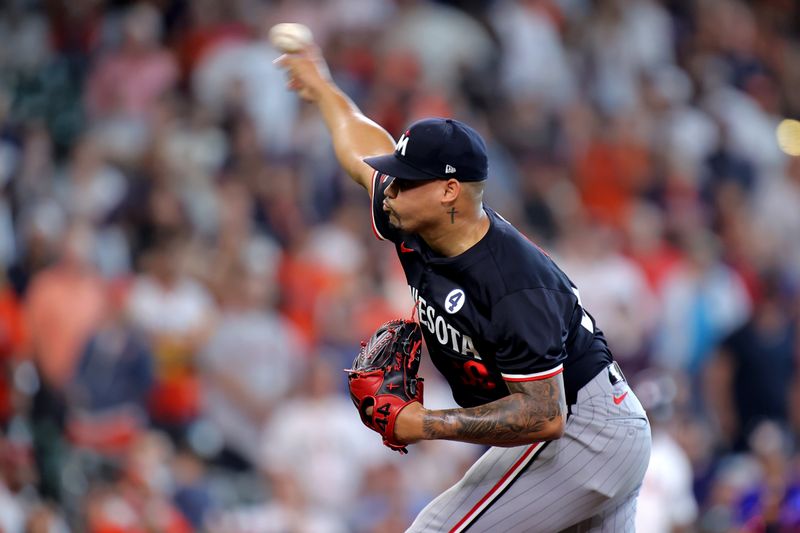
(402, 144)
(443, 149)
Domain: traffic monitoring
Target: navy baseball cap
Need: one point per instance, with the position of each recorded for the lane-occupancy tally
(435, 148)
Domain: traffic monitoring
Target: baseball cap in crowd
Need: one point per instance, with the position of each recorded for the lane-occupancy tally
(435, 148)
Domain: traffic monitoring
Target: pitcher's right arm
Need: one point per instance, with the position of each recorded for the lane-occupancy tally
(354, 135)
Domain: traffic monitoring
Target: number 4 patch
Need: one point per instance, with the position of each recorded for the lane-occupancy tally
(454, 301)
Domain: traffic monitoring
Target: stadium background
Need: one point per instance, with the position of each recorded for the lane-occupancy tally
(185, 270)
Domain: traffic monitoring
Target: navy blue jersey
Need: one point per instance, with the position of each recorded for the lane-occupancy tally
(501, 311)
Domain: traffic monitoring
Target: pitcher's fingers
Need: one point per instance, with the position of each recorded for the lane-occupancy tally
(294, 84)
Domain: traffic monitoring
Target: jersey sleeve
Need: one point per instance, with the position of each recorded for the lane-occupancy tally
(533, 329)
(380, 220)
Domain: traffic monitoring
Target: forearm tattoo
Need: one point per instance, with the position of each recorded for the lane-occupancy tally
(519, 418)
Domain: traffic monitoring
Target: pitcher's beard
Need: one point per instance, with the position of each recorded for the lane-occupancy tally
(394, 220)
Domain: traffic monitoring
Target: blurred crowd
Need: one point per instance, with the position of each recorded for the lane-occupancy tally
(185, 270)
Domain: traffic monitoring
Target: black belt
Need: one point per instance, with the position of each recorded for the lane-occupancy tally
(615, 374)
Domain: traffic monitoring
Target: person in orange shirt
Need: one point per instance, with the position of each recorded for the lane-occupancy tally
(63, 306)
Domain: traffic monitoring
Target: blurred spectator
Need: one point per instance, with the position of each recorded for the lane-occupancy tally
(625, 40)
(109, 392)
(139, 498)
(615, 167)
(777, 221)
(382, 505)
(751, 131)
(64, 305)
(75, 28)
(448, 43)
(688, 135)
(725, 165)
(703, 302)
(349, 307)
(755, 368)
(249, 365)
(774, 503)
(44, 518)
(90, 188)
(10, 154)
(534, 62)
(128, 81)
(33, 181)
(238, 244)
(12, 513)
(287, 510)
(192, 495)
(614, 288)
(755, 493)
(338, 459)
(176, 313)
(191, 149)
(25, 32)
(41, 229)
(14, 468)
(247, 158)
(666, 503)
(154, 206)
(648, 247)
(123, 88)
(209, 24)
(305, 284)
(240, 77)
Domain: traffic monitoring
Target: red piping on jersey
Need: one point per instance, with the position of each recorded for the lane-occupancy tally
(537, 378)
(372, 206)
(536, 245)
(526, 237)
(478, 507)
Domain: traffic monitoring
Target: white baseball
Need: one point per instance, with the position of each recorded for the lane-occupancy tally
(290, 37)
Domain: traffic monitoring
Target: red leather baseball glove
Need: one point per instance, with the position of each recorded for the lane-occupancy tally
(384, 377)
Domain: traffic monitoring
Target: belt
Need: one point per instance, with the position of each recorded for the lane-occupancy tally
(615, 374)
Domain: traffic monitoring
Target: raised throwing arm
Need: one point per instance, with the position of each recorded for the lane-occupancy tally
(354, 135)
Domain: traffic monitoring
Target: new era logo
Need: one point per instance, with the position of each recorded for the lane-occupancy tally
(449, 169)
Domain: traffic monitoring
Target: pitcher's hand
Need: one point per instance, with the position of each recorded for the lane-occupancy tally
(307, 72)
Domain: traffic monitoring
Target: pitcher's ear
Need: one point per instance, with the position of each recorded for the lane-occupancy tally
(451, 190)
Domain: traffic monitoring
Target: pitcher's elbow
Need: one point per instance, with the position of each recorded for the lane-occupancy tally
(555, 428)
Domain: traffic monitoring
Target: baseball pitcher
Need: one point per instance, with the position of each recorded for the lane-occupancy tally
(528, 366)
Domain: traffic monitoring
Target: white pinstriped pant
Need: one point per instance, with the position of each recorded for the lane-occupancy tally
(586, 481)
